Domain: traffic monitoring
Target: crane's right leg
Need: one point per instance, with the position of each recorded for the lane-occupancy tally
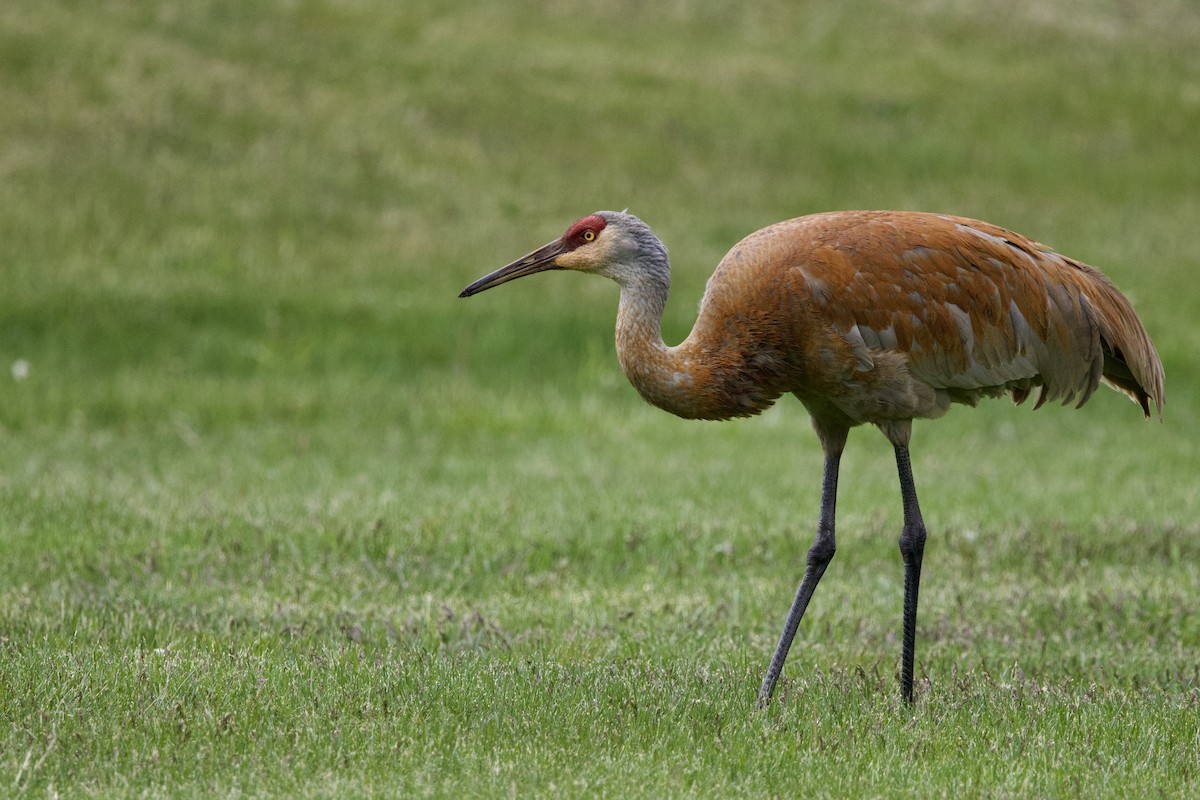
(819, 556)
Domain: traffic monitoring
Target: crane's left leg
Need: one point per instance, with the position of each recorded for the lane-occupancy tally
(912, 547)
(833, 441)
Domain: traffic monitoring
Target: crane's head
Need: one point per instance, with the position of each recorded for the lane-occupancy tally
(610, 243)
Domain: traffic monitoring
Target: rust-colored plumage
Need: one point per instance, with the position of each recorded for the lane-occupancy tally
(876, 317)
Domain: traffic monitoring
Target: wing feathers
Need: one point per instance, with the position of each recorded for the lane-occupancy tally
(979, 310)
(900, 313)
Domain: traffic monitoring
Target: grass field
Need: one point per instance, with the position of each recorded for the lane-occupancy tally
(281, 516)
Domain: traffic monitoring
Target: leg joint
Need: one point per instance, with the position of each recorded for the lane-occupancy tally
(822, 550)
(912, 540)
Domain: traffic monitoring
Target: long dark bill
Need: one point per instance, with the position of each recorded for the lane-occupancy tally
(539, 260)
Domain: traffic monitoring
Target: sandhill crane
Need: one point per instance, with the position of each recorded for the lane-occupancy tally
(876, 317)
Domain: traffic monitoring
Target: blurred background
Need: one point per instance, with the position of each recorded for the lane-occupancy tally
(232, 236)
(223, 213)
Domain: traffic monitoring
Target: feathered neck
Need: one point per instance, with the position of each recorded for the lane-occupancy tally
(664, 376)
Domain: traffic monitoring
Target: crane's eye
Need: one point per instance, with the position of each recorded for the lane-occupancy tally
(589, 236)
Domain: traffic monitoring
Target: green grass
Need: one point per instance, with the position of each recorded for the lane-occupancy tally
(280, 516)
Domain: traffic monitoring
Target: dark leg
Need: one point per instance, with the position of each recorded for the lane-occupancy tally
(819, 556)
(912, 547)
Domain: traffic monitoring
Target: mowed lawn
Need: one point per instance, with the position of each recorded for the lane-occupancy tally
(282, 516)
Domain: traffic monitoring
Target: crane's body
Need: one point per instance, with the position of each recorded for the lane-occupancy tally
(876, 317)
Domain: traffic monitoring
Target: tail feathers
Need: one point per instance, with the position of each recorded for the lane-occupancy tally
(1118, 375)
(1131, 363)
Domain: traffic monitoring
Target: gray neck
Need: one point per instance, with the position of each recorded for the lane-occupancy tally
(660, 373)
